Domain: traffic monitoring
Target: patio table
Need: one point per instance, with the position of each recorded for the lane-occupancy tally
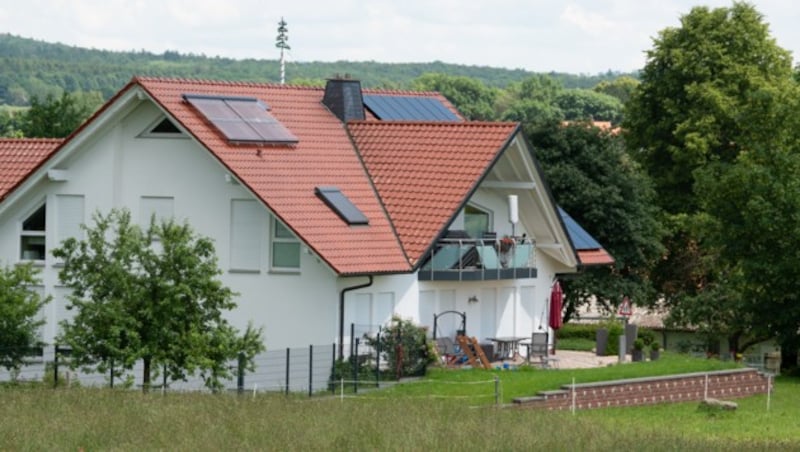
(507, 347)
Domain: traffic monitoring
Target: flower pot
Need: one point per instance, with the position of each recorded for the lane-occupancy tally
(655, 354)
(637, 355)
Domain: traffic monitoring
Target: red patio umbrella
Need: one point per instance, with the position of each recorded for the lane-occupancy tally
(556, 303)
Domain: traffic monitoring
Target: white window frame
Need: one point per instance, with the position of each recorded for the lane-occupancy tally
(33, 233)
(489, 214)
(275, 239)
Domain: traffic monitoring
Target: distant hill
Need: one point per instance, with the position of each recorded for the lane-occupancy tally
(31, 68)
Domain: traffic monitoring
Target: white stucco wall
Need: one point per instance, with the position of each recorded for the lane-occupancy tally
(118, 168)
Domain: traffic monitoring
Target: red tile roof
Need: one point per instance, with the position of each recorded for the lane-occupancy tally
(18, 157)
(425, 171)
(595, 257)
(284, 177)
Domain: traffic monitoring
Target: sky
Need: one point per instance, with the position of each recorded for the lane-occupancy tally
(579, 36)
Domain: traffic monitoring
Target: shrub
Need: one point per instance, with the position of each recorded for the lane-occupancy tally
(638, 344)
(615, 330)
(655, 346)
(405, 345)
(647, 335)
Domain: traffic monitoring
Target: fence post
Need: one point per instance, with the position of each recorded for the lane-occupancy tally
(354, 360)
(352, 336)
(287, 370)
(240, 374)
(378, 359)
(496, 391)
(333, 368)
(55, 367)
(112, 373)
(310, 369)
(164, 381)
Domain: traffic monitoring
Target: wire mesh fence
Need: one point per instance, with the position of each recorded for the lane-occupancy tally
(312, 370)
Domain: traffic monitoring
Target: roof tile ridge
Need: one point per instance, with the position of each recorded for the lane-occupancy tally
(398, 92)
(203, 81)
(463, 124)
(31, 140)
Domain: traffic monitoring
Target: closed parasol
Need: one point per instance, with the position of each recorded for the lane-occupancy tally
(556, 303)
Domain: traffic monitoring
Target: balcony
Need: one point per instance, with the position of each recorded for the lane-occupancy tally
(468, 259)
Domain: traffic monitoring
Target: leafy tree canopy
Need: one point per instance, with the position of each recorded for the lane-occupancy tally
(471, 97)
(583, 104)
(150, 295)
(593, 179)
(622, 88)
(20, 304)
(709, 89)
(56, 118)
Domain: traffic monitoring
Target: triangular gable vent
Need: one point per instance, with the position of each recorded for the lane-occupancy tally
(165, 126)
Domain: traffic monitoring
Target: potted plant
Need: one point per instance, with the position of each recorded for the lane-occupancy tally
(655, 350)
(638, 350)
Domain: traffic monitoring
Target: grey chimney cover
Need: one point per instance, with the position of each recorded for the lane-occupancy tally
(343, 98)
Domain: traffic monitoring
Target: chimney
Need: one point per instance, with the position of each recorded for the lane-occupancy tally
(343, 98)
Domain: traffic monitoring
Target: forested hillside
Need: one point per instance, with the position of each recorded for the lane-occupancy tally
(31, 68)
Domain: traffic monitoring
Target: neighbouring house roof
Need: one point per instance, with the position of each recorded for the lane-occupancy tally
(19, 157)
(409, 178)
(589, 250)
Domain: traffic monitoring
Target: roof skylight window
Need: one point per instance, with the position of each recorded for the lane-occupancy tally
(342, 205)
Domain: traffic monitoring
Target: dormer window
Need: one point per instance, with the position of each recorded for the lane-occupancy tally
(32, 236)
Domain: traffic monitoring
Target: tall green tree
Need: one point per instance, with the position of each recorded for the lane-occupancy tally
(592, 177)
(707, 91)
(622, 87)
(150, 295)
(471, 97)
(53, 118)
(713, 90)
(532, 102)
(753, 207)
(584, 104)
(20, 304)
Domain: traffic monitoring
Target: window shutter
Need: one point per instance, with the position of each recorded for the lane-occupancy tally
(247, 228)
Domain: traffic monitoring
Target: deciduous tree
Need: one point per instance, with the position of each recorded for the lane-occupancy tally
(595, 181)
(149, 295)
(20, 304)
(53, 118)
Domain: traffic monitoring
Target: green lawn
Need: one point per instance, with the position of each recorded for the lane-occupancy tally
(415, 416)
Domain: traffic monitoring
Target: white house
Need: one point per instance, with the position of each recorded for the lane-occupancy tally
(327, 206)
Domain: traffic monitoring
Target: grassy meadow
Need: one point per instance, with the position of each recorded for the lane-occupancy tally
(451, 410)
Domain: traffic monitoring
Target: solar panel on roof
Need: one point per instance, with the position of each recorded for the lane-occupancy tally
(241, 119)
(408, 108)
(581, 239)
(342, 205)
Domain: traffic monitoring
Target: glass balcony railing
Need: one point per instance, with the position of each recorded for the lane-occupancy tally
(467, 259)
